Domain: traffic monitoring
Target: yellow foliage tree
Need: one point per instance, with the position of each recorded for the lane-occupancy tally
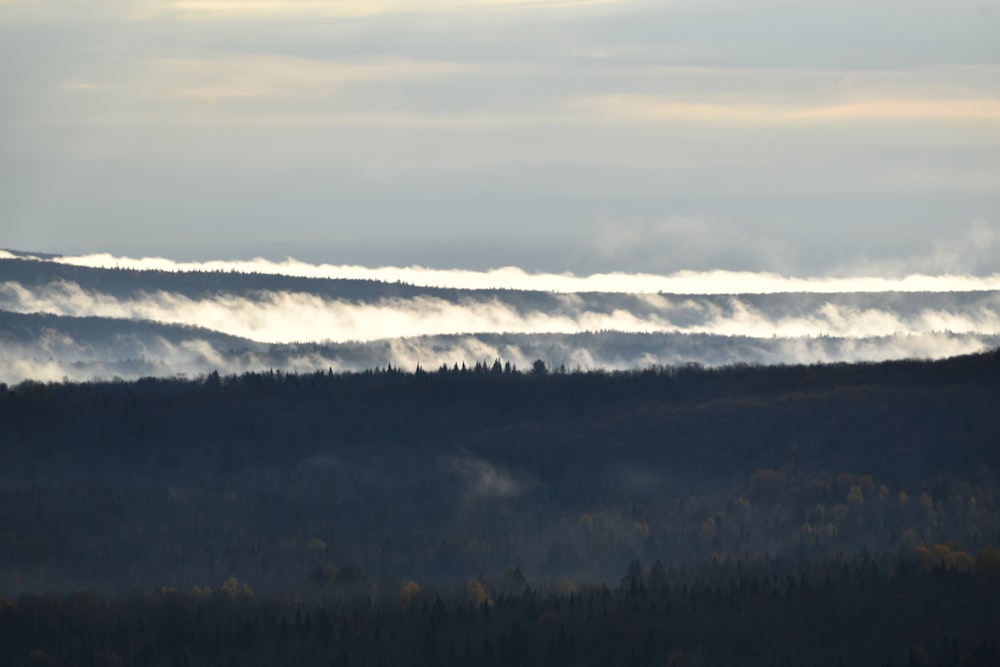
(236, 589)
(316, 544)
(867, 483)
(408, 593)
(949, 556)
(708, 529)
(845, 481)
(475, 593)
(988, 561)
(926, 502)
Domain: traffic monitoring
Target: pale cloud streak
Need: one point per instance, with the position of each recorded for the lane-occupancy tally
(65, 359)
(258, 75)
(665, 110)
(680, 282)
(215, 9)
(286, 317)
(227, 10)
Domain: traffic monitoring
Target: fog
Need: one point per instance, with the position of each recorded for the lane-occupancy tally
(105, 326)
(286, 317)
(680, 282)
(56, 356)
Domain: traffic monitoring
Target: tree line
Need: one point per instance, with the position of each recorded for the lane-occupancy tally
(675, 513)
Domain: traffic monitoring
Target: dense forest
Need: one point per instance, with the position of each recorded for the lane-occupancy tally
(494, 515)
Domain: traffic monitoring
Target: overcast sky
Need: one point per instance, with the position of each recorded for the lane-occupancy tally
(807, 138)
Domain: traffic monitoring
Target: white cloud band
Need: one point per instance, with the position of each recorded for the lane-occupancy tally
(681, 282)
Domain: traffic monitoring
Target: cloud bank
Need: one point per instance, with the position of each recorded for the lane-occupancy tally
(680, 282)
(105, 325)
(68, 359)
(285, 317)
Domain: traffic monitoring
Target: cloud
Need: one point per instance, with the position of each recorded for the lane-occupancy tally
(679, 241)
(483, 479)
(83, 85)
(353, 8)
(680, 282)
(610, 351)
(577, 330)
(228, 10)
(283, 317)
(285, 134)
(257, 75)
(668, 110)
(978, 246)
(974, 248)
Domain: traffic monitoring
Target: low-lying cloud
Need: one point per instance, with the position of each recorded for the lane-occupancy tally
(680, 282)
(285, 317)
(483, 479)
(612, 351)
(54, 328)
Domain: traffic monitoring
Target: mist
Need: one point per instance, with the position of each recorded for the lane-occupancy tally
(881, 279)
(286, 317)
(177, 352)
(80, 324)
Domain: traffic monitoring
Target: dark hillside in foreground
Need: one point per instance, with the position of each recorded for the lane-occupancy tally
(740, 613)
(744, 498)
(898, 419)
(488, 453)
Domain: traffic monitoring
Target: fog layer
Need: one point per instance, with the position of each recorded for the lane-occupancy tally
(510, 277)
(80, 323)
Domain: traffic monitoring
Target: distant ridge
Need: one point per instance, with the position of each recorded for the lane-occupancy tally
(32, 255)
(63, 320)
(81, 348)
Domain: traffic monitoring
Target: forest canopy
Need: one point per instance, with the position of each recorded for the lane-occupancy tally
(485, 498)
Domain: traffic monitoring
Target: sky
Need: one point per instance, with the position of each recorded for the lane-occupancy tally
(829, 138)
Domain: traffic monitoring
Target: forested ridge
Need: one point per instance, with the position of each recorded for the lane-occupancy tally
(828, 514)
(76, 323)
